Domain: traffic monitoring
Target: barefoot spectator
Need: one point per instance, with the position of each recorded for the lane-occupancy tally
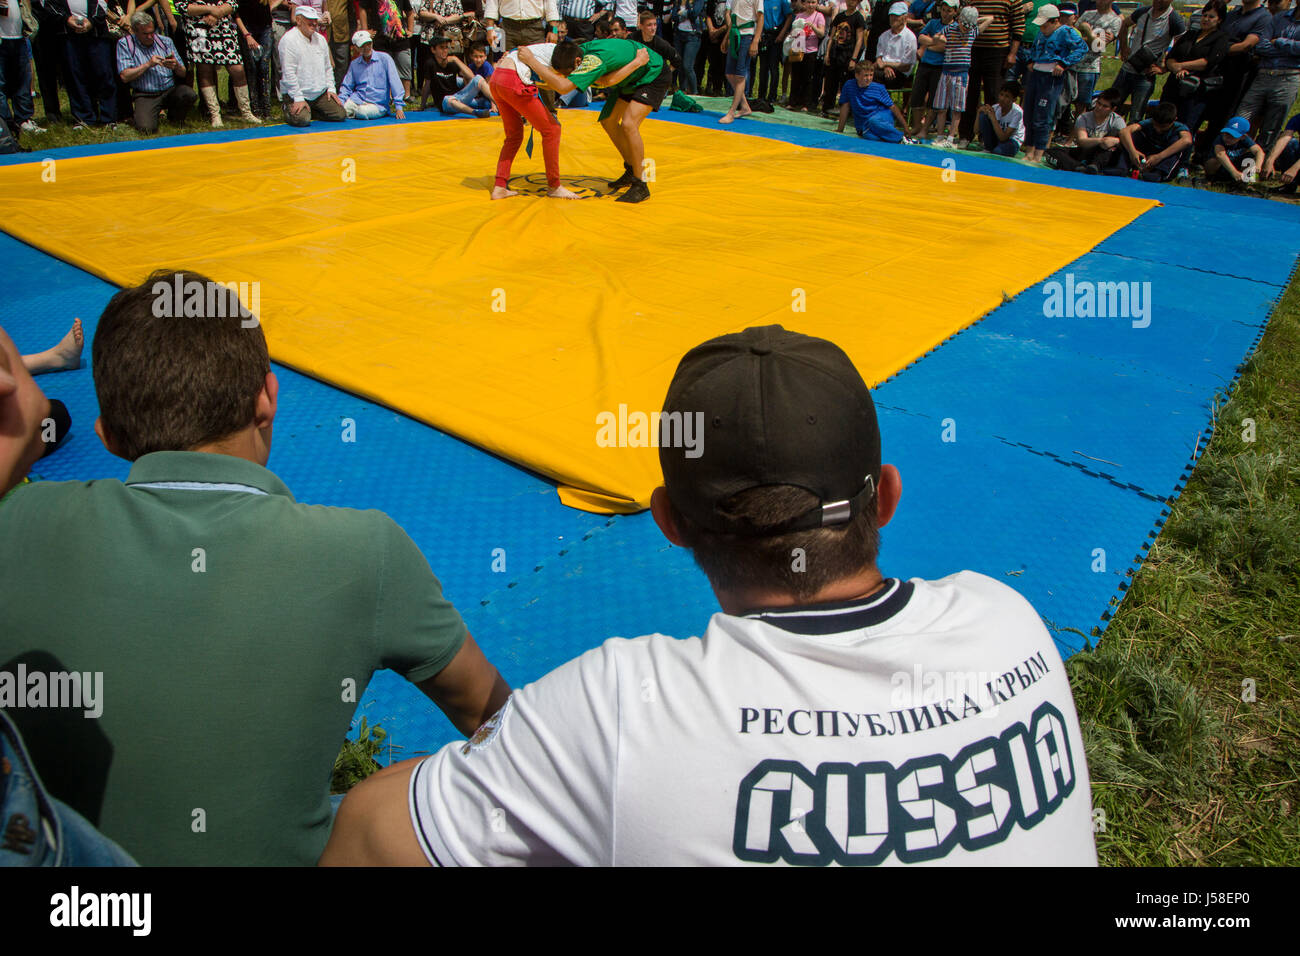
(307, 86)
(1056, 49)
(214, 43)
(1001, 127)
(744, 25)
(874, 111)
(144, 572)
(1153, 149)
(150, 65)
(371, 82)
(1144, 38)
(88, 56)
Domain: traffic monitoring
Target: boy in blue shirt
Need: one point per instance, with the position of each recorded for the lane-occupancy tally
(1152, 149)
(1233, 147)
(874, 112)
(1057, 48)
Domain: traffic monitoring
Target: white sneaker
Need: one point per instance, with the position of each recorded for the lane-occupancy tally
(80, 128)
(962, 144)
(30, 126)
(944, 142)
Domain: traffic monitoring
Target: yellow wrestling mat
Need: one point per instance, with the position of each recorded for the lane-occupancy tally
(384, 268)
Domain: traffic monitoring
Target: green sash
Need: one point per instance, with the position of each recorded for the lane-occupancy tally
(734, 37)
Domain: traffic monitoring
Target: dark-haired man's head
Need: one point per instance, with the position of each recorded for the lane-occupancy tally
(781, 495)
(1107, 100)
(603, 28)
(1165, 115)
(181, 365)
(565, 57)
(618, 28)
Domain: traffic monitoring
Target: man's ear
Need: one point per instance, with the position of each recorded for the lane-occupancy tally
(887, 495)
(267, 401)
(665, 515)
(106, 437)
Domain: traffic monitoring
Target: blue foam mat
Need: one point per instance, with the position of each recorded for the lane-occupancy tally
(1008, 498)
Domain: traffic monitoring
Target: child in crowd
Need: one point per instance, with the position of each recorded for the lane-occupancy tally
(1001, 126)
(1233, 152)
(874, 111)
(950, 98)
(1153, 149)
(930, 68)
(475, 97)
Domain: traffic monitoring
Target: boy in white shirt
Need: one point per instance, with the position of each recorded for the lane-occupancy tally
(1001, 126)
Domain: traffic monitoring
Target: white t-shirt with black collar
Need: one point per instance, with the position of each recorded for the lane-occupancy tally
(931, 723)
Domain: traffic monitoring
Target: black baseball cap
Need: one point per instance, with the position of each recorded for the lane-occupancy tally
(779, 408)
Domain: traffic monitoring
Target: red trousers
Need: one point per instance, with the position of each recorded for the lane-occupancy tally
(516, 102)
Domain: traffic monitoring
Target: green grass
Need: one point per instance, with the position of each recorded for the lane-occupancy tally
(1185, 770)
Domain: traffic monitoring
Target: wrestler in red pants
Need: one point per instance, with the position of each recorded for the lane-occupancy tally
(517, 101)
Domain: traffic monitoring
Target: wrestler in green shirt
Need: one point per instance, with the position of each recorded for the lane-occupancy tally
(601, 57)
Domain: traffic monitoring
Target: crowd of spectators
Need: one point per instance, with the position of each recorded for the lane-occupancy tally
(941, 64)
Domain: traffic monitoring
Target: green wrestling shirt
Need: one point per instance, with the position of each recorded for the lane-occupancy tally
(600, 57)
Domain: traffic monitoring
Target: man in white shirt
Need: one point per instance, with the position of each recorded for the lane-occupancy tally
(896, 51)
(828, 715)
(307, 78)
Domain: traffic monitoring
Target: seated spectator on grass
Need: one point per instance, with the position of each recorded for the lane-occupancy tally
(1056, 49)
(1096, 138)
(1195, 66)
(1001, 125)
(371, 82)
(444, 74)
(234, 628)
(307, 77)
(1153, 149)
(1277, 84)
(150, 65)
(475, 96)
(896, 51)
(1237, 158)
(1283, 162)
(930, 68)
(874, 110)
(740, 746)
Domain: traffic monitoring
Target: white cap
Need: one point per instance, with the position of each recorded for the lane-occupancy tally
(361, 38)
(897, 9)
(1046, 12)
(311, 13)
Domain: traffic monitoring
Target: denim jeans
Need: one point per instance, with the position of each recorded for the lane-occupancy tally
(16, 81)
(1141, 86)
(688, 48)
(470, 95)
(36, 829)
(989, 138)
(1042, 90)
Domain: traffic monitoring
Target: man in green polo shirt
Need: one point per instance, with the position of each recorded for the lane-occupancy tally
(626, 103)
(230, 629)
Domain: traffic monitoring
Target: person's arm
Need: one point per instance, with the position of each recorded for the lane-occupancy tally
(469, 690)
(289, 72)
(982, 23)
(859, 40)
(758, 32)
(349, 84)
(1181, 143)
(560, 84)
(1247, 42)
(1279, 146)
(618, 76)
(844, 117)
(785, 30)
(1125, 27)
(464, 70)
(1126, 140)
(1221, 155)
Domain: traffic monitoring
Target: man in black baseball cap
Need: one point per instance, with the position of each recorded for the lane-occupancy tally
(827, 715)
(791, 460)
